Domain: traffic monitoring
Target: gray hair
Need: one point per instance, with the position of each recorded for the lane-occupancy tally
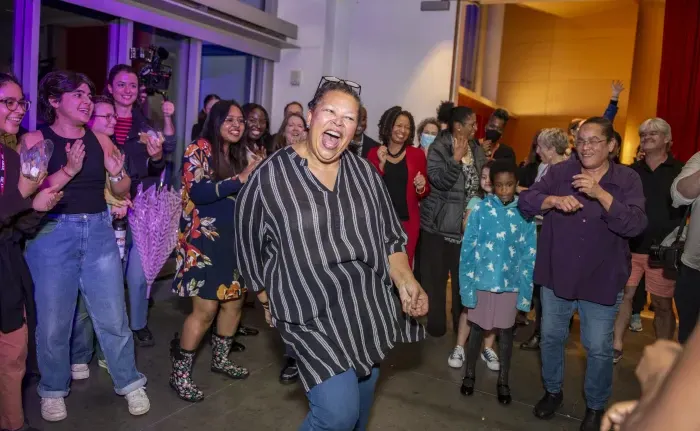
(556, 138)
(657, 125)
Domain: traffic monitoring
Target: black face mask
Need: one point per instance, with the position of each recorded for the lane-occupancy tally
(492, 135)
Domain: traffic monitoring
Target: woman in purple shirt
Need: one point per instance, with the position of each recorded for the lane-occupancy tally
(591, 208)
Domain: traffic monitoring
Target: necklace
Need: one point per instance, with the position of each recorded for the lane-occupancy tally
(403, 148)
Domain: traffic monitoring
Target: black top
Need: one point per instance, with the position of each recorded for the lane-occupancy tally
(17, 220)
(395, 178)
(504, 152)
(662, 216)
(527, 174)
(197, 130)
(85, 193)
(323, 257)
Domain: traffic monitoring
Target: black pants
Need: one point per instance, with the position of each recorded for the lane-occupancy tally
(640, 298)
(438, 259)
(687, 298)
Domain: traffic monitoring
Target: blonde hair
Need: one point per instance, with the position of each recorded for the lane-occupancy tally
(657, 125)
(554, 138)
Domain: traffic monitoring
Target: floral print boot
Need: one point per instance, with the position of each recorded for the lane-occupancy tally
(220, 363)
(181, 376)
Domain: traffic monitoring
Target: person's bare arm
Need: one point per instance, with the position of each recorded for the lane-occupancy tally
(686, 187)
(670, 404)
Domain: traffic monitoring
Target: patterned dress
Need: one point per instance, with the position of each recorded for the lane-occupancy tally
(205, 253)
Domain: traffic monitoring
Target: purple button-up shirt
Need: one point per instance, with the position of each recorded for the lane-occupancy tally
(585, 255)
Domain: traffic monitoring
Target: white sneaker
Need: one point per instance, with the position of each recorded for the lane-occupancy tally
(456, 359)
(138, 402)
(80, 371)
(53, 409)
(491, 359)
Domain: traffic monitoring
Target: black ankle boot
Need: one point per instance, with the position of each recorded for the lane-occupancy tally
(290, 372)
(592, 420)
(476, 336)
(548, 405)
(503, 392)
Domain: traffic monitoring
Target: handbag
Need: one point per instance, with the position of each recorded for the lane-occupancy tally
(667, 255)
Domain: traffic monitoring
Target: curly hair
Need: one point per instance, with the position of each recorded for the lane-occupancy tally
(444, 111)
(421, 126)
(54, 85)
(387, 121)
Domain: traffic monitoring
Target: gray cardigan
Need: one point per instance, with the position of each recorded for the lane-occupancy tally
(443, 209)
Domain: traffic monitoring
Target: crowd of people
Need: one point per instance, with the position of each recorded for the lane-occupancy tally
(344, 240)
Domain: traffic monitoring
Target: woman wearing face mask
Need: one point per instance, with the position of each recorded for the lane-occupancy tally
(258, 138)
(454, 163)
(145, 163)
(209, 101)
(76, 247)
(403, 168)
(215, 168)
(427, 130)
(292, 130)
(18, 197)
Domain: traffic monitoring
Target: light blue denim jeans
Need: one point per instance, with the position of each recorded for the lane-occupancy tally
(83, 344)
(136, 286)
(597, 324)
(77, 253)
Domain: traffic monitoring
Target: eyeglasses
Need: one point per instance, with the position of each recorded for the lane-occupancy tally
(108, 117)
(12, 104)
(592, 142)
(357, 88)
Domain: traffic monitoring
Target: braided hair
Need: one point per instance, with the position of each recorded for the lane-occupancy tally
(387, 121)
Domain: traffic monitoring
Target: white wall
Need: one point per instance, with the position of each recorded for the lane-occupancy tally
(400, 55)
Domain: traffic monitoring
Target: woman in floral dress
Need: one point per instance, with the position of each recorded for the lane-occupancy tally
(215, 168)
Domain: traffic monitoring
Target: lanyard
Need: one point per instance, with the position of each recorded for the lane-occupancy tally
(2, 169)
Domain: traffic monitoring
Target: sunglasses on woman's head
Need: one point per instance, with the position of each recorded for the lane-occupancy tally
(357, 88)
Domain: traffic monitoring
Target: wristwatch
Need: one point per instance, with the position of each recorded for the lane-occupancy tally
(118, 177)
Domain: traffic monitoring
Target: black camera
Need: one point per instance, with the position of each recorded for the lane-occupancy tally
(668, 258)
(154, 75)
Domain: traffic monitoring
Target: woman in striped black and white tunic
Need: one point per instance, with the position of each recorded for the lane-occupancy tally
(316, 232)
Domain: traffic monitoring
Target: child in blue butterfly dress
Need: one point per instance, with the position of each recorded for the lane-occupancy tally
(495, 272)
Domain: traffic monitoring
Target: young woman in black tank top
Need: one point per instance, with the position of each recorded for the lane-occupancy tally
(75, 250)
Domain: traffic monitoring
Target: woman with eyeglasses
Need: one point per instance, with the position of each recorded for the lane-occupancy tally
(75, 251)
(215, 167)
(145, 158)
(19, 203)
(258, 139)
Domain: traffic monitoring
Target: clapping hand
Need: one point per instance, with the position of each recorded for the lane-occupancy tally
(114, 162)
(75, 154)
(47, 199)
(254, 162)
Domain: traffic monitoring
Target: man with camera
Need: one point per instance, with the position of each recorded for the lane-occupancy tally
(685, 191)
(657, 172)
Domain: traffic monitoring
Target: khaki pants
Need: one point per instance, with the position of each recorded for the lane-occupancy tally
(13, 357)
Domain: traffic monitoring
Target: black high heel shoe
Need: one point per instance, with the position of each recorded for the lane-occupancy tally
(467, 388)
(503, 392)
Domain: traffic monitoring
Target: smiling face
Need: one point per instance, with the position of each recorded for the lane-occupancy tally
(485, 180)
(11, 120)
(592, 146)
(76, 106)
(257, 124)
(504, 184)
(103, 119)
(466, 129)
(124, 88)
(401, 130)
(653, 141)
(546, 153)
(294, 129)
(233, 126)
(332, 125)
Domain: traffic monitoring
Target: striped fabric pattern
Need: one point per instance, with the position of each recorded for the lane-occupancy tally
(322, 257)
(122, 128)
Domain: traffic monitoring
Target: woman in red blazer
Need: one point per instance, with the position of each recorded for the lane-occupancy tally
(403, 168)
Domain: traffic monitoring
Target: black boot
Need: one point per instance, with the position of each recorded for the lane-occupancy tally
(181, 375)
(548, 405)
(592, 420)
(533, 343)
(476, 336)
(246, 331)
(220, 363)
(505, 351)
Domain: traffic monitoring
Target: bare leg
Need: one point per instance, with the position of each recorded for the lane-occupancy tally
(229, 317)
(623, 317)
(664, 317)
(490, 339)
(198, 322)
(463, 328)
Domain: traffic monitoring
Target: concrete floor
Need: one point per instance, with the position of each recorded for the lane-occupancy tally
(417, 390)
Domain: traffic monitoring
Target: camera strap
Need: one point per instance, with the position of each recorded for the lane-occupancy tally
(684, 222)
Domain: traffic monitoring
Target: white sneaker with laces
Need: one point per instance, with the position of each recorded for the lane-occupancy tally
(79, 371)
(491, 359)
(456, 359)
(138, 402)
(53, 409)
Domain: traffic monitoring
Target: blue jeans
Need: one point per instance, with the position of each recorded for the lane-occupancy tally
(136, 286)
(341, 403)
(70, 254)
(597, 323)
(83, 336)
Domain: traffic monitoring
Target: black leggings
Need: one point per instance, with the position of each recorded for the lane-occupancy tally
(640, 298)
(687, 298)
(505, 352)
(439, 259)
